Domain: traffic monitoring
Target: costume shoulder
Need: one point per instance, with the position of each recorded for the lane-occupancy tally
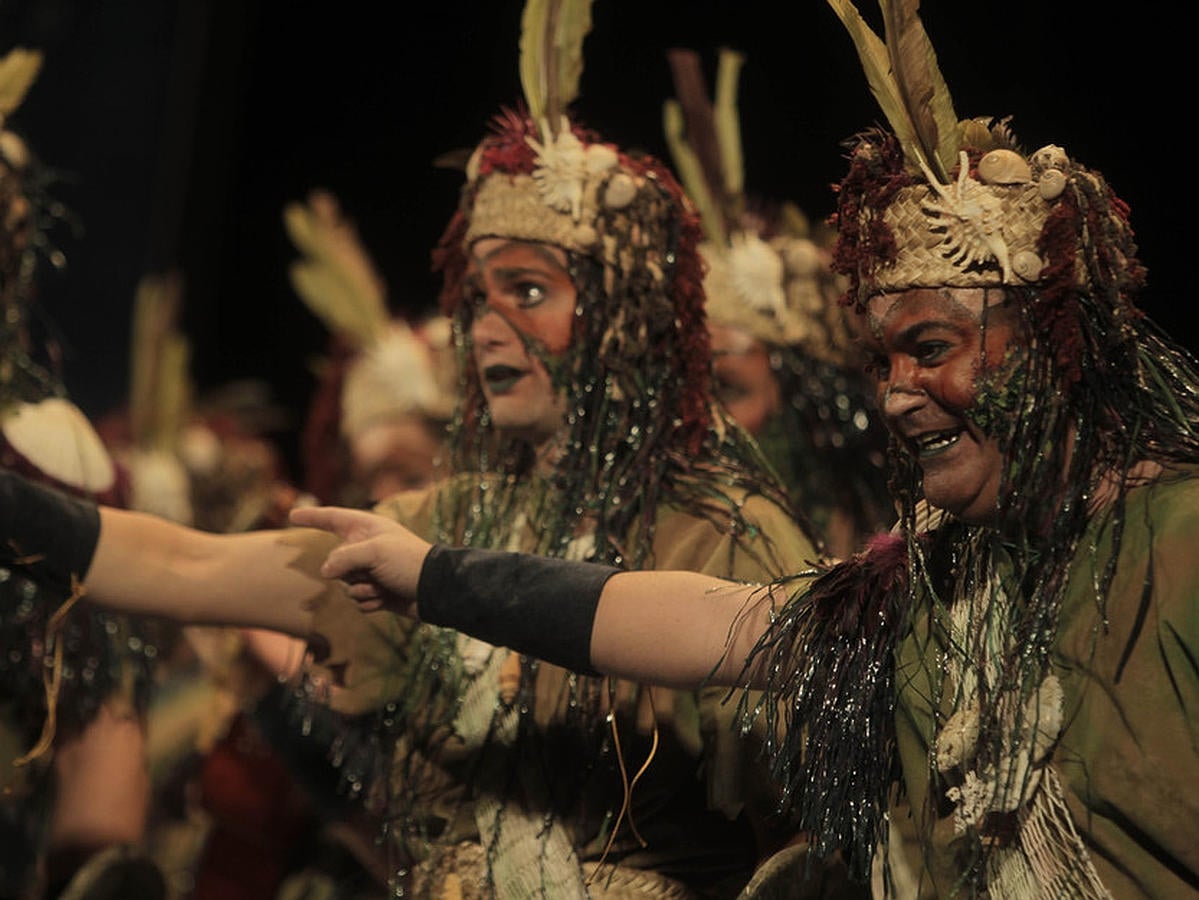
(739, 536)
(412, 509)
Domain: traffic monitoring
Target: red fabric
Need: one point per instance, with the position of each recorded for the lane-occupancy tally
(259, 815)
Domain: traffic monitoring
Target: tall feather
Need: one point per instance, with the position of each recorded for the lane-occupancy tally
(690, 127)
(335, 277)
(160, 387)
(551, 55)
(923, 89)
(906, 81)
(18, 70)
(728, 121)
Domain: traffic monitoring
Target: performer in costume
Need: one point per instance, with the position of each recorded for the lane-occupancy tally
(228, 819)
(73, 680)
(377, 423)
(568, 261)
(586, 430)
(787, 365)
(1020, 655)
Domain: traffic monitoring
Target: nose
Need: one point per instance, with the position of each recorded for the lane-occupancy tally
(903, 392)
(489, 328)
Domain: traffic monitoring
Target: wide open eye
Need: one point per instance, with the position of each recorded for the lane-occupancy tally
(530, 293)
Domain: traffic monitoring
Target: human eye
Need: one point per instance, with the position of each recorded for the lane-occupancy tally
(729, 392)
(530, 293)
(930, 352)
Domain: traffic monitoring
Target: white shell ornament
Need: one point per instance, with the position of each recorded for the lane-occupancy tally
(620, 191)
(600, 158)
(55, 436)
(1027, 265)
(1004, 167)
(972, 219)
(1051, 183)
(473, 164)
(561, 169)
(585, 235)
(756, 272)
(1051, 156)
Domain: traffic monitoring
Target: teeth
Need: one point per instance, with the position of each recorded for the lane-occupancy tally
(938, 441)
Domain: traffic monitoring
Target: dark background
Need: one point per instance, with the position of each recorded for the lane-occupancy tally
(179, 129)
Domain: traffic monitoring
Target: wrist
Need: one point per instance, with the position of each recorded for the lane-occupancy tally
(535, 605)
(52, 532)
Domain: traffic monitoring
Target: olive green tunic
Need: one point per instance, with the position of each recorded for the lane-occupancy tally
(1124, 757)
(467, 779)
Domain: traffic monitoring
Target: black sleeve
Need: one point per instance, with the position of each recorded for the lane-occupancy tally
(39, 524)
(538, 606)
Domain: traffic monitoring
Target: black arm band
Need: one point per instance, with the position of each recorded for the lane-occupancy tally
(536, 605)
(40, 524)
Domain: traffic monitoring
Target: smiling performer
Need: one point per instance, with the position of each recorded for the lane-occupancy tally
(1021, 655)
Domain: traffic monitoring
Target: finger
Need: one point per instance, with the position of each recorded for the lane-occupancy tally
(364, 591)
(349, 558)
(336, 519)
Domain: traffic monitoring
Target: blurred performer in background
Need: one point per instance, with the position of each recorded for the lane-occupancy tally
(73, 682)
(386, 391)
(787, 364)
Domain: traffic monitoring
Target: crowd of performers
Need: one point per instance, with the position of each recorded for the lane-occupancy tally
(687, 547)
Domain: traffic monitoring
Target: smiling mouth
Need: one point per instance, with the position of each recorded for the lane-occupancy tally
(934, 443)
(501, 379)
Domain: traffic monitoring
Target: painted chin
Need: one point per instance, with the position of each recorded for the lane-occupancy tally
(957, 476)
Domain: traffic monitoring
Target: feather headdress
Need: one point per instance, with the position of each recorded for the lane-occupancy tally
(18, 70)
(160, 400)
(765, 274)
(395, 369)
(961, 204)
(566, 187)
(159, 386)
(41, 432)
(551, 59)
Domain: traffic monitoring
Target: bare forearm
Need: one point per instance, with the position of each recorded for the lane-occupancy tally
(149, 566)
(677, 628)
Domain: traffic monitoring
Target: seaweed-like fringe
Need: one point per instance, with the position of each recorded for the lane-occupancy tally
(829, 661)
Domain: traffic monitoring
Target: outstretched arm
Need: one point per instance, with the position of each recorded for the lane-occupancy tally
(150, 566)
(670, 628)
(138, 563)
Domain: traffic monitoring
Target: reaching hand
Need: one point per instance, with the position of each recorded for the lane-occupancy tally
(379, 559)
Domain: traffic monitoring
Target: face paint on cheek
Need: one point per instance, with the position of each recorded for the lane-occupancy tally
(1000, 394)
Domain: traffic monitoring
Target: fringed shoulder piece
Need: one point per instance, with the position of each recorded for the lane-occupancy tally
(829, 658)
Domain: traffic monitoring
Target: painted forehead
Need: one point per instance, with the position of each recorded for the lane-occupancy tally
(931, 303)
(485, 250)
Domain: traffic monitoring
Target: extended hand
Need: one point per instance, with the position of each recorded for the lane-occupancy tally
(379, 559)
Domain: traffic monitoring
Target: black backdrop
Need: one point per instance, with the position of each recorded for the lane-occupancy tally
(180, 128)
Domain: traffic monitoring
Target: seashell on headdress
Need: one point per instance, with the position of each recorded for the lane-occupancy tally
(542, 178)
